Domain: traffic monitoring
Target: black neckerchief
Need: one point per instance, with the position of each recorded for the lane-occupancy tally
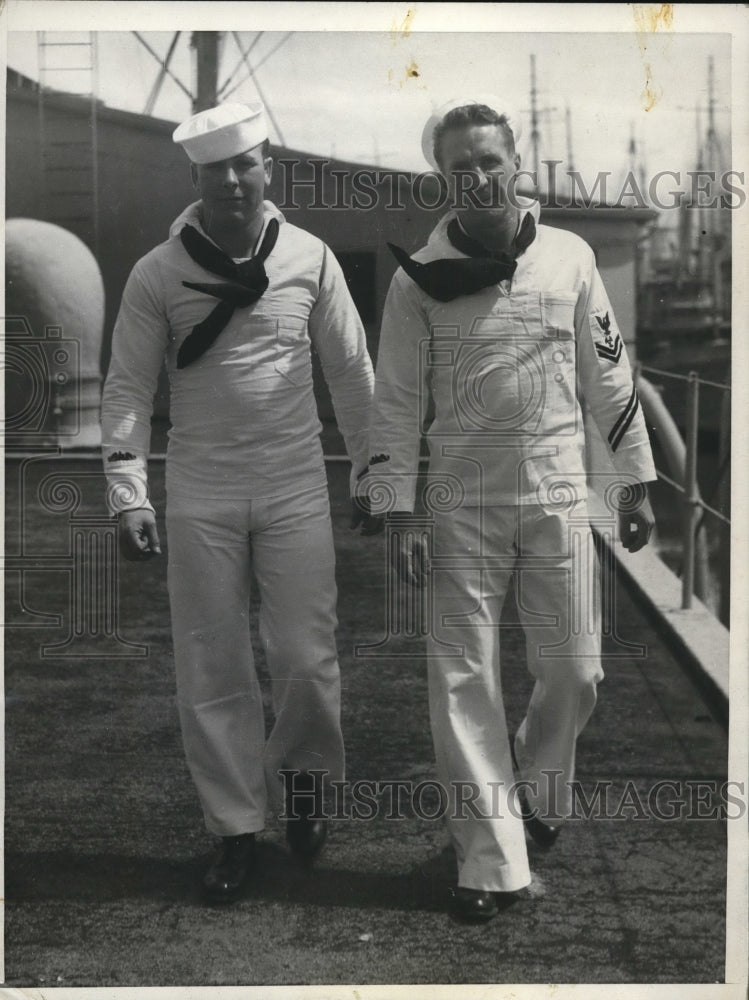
(451, 277)
(245, 283)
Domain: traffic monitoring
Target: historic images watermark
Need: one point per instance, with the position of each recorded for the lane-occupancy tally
(476, 424)
(666, 800)
(42, 373)
(42, 417)
(321, 185)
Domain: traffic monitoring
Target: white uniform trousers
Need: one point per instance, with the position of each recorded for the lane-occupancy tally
(558, 594)
(213, 545)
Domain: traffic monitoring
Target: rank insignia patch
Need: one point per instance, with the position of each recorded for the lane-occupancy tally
(626, 417)
(611, 348)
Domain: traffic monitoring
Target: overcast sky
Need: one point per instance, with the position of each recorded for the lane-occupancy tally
(365, 94)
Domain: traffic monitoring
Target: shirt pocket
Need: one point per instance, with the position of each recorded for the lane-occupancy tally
(293, 351)
(558, 315)
(559, 360)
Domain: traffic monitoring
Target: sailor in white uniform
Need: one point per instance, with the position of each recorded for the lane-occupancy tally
(234, 299)
(504, 323)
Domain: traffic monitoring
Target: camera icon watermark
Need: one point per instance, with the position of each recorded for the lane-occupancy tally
(42, 386)
(498, 377)
(58, 552)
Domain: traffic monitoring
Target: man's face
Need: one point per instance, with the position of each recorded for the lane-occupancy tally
(232, 190)
(479, 168)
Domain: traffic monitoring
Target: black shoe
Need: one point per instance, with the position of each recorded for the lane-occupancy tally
(306, 837)
(472, 905)
(228, 875)
(306, 829)
(541, 833)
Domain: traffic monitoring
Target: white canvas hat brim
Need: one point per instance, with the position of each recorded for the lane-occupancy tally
(222, 132)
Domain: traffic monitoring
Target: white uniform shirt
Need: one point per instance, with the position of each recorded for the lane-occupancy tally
(504, 368)
(244, 417)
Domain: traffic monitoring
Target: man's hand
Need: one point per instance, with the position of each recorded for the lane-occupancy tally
(139, 539)
(637, 523)
(361, 508)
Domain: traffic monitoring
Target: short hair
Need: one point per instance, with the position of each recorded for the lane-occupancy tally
(471, 114)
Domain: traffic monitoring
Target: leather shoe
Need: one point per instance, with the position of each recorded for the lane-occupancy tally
(231, 868)
(543, 834)
(306, 837)
(306, 829)
(472, 905)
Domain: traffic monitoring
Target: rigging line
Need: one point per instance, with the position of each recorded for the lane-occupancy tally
(158, 58)
(267, 56)
(233, 73)
(262, 97)
(156, 89)
(262, 61)
(236, 86)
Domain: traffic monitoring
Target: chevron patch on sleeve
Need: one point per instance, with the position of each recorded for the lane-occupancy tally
(626, 417)
(611, 347)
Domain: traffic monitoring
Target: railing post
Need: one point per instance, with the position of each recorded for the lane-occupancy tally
(724, 505)
(691, 493)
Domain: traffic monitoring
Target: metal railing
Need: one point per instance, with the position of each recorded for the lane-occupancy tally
(694, 507)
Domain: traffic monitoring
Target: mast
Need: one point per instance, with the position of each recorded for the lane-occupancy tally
(632, 149)
(207, 46)
(715, 229)
(535, 137)
(568, 129)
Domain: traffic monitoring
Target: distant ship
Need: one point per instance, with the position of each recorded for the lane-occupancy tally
(684, 288)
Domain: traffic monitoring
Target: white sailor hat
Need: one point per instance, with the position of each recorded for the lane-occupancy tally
(489, 100)
(222, 132)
